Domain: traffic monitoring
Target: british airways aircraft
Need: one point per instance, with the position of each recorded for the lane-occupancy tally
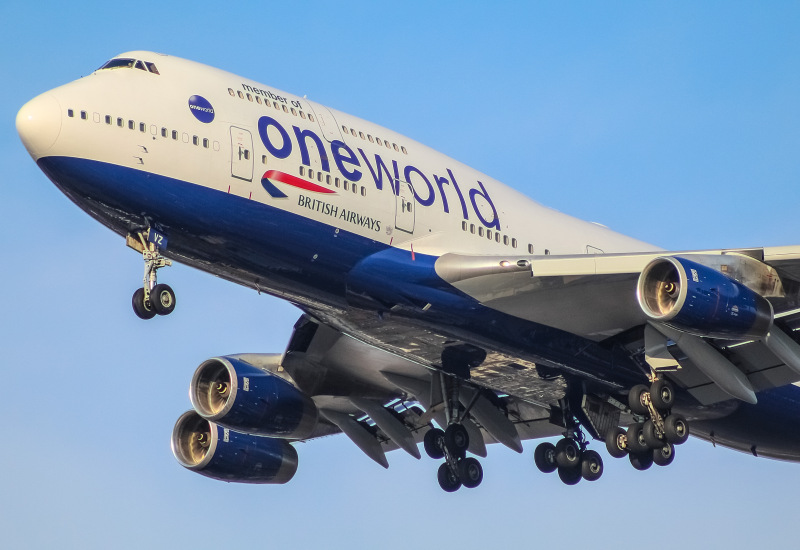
(439, 306)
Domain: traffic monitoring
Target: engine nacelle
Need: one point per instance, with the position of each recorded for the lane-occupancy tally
(239, 396)
(227, 455)
(702, 301)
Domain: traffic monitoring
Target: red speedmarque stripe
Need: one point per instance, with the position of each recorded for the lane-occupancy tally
(294, 181)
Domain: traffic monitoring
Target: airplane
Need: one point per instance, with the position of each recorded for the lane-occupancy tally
(439, 306)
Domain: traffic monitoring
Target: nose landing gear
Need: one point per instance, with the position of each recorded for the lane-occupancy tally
(152, 298)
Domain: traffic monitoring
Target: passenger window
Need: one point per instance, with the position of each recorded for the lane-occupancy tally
(319, 177)
(120, 122)
(405, 152)
(294, 112)
(310, 174)
(353, 132)
(240, 94)
(142, 127)
(396, 148)
(546, 252)
(131, 125)
(386, 143)
(361, 135)
(275, 104)
(505, 240)
(463, 226)
(530, 249)
(363, 191)
(263, 159)
(230, 91)
(497, 237)
(310, 117)
(472, 228)
(378, 141)
(285, 110)
(346, 184)
(84, 116)
(302, 115)
(249, 98)
(489, 234)
(195, 140)
(369, 137)
(70, 113)
(328, 179)
(175, 134)
(302, 170)
(344, 128)
(163, 132)
(246, 154)
(355, 188)
(513, 243)
(258, 99)
(336, 183)
(480, 232)
(205, 143)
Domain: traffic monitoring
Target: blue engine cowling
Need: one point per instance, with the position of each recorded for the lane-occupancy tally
(702, 301)
(227, 455)
(239, 396)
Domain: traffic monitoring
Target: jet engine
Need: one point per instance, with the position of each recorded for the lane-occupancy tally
(702, 301)
(242, 397)
(227, 455)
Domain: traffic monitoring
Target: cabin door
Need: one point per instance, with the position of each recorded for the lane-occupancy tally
(241, 154)
(405, 208)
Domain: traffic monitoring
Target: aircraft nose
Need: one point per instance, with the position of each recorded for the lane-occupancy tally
(39, 123)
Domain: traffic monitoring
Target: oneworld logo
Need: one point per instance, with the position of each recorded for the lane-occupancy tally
(201, 109)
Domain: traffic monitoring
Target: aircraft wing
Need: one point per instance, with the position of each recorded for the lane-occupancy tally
(595, 296)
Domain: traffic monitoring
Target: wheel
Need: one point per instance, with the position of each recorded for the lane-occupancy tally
(470, 472)
(641, 461)
(662, 394)
(568, 454)
(545, 457)
(447, 479)
(636, 442)
(142, 309)
(617, 443)
(456, 439)
(570, 476)
(163, 299)
(591, 466)
(635, 399)
(434, 443)
(664, 455)
(650, 435)
(676, 429)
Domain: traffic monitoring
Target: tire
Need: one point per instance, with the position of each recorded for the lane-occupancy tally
(636, 443)
(591, 466)
(142, 309)
(433, 442)
(664, 456)
(568, 454)
(635, 399)
(662, 394)
(641, 461)
(545, 457)
(616, 443)
(448, 481)
(569, 476)
(456, 439)
(650, 435)
(676, 429)
(163, 299)
(470, 472)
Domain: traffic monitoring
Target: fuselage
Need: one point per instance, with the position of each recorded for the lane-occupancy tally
(289, 197)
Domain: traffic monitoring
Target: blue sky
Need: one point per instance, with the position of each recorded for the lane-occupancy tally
(675, 123)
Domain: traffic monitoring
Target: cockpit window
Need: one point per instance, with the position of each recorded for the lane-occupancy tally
(124, 63)
(118, 63)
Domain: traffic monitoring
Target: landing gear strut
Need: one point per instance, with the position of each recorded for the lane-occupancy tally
(570, 458)
(152, 298)
(452, 443)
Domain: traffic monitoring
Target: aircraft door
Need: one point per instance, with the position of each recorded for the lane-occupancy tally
(328, 124)
(405, 207)
(241, 154)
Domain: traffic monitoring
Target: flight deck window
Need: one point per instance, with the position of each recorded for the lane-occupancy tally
(140, 65)
(118, 64)
(152, 67)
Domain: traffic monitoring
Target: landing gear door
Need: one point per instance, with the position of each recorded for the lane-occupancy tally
(241, 154)
(328, 124)
(405, 208)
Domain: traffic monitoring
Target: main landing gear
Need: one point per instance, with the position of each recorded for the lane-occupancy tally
(452, 443)
(570, 458)
(152, 298)
(652, 440)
